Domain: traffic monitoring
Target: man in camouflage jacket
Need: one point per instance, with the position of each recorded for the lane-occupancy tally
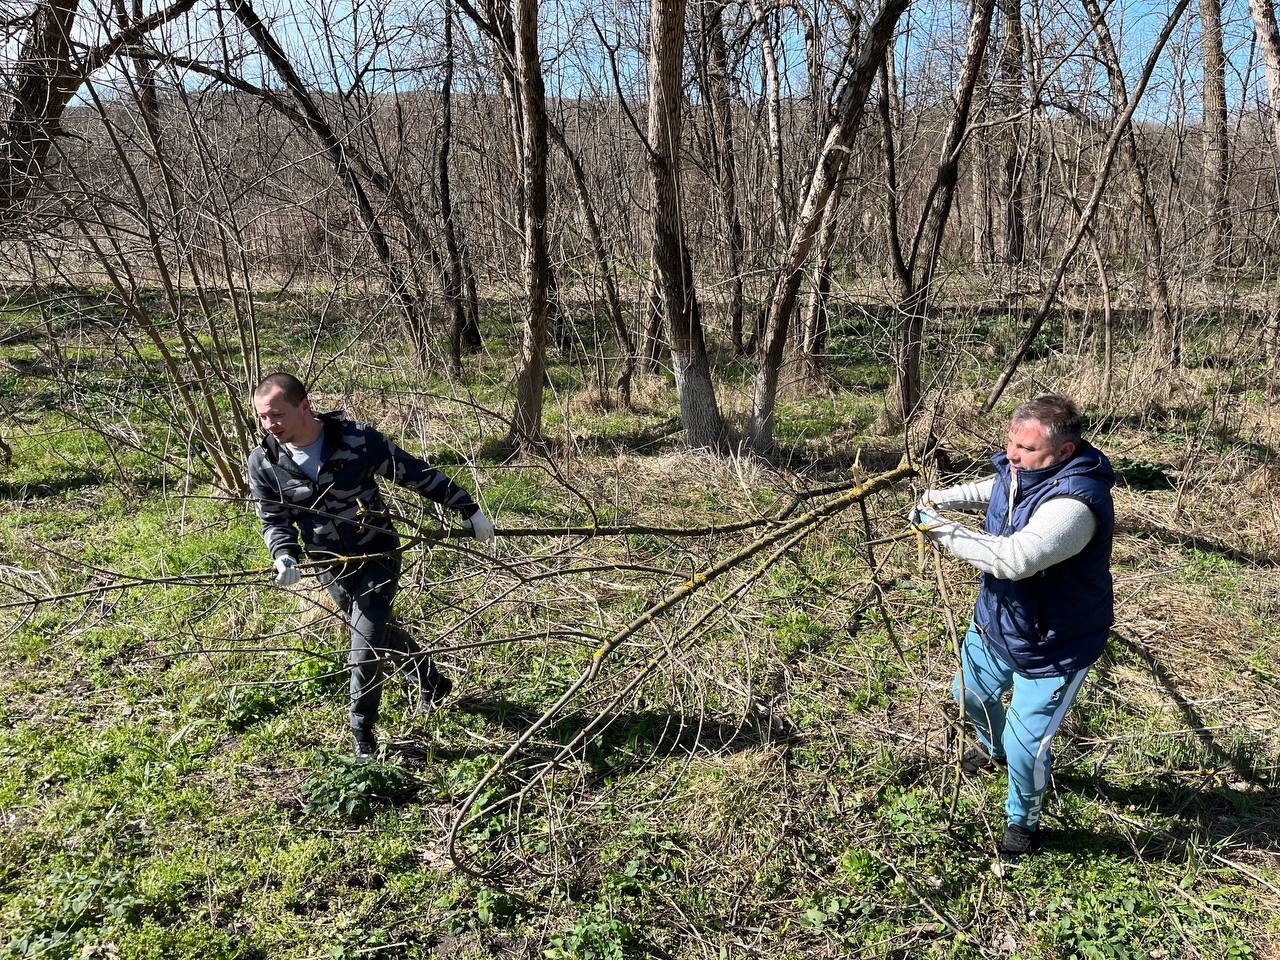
(313, 481)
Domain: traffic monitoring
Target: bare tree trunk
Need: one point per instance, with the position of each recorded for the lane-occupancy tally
(1012, 102)
(452, 272)
(526, 420)
(907, 389)
(41, 72)
(893, 236)
(1218, 239)
(651, 342)
(817, 324)
(773, 121)
(620, 333)
(1164, 347)
(472, 342)
(1264, 25)
(703, 425)
(557, 316)
(724, 148)
(984, 250)
(832, 161)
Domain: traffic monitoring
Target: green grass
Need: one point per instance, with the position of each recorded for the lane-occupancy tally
(174, 780)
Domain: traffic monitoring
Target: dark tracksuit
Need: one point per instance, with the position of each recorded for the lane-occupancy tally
(342, 514)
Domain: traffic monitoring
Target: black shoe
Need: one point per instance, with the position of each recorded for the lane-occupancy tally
(1017, 842)
(365, 745)
(977, 760)
(433, 688)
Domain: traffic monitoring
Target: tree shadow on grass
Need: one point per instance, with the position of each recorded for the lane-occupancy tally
(1203, 812)
(1236, 759)
(42, 489)
(20, 492)
(835, 464)
(633, 739)
(1202, 806)
(1184, 539)
(656, 438)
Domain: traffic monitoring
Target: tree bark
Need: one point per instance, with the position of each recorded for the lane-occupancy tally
(699, 411)
(724, 148)
(773, 121)
(1012, 103)
(40, 74)
(888, 140)
(1164, 347)
(816, 324)
(832, 160)
(1264, 25)
(1218, 235)
(984, 249)
(526, 420)
(472, 342)
(651, 342)
(907, 389)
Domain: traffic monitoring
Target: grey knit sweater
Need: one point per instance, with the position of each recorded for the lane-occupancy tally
(1059, 529)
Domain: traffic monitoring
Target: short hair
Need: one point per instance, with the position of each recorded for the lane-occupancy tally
(295, 391)
(1059, 416)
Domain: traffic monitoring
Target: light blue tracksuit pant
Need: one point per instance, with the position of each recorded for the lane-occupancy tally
(1024, 734)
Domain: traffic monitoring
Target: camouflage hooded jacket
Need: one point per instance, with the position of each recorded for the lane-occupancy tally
(342, 511)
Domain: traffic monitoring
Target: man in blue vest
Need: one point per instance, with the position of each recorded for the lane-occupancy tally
(1045, 606)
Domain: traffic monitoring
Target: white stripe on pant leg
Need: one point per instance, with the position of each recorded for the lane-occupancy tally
(1040, 766)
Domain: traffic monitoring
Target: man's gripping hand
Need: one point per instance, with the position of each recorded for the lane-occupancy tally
(287, 571)
(924, 518)
(479, 527)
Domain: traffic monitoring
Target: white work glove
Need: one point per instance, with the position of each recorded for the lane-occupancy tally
(287, 572)
(924, 518)
(479, 527)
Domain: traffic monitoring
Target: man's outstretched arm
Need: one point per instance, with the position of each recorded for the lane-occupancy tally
(964, 496)
(404, 469)
(1060, 529)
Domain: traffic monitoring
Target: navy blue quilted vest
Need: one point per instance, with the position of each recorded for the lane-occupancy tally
(1056, 621)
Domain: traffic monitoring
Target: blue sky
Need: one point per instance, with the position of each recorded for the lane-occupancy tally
(323, 36)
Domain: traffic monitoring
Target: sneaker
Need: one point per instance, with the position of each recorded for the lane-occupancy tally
(365, 745)
(1017, 842)
(976, 760)
(433, 689)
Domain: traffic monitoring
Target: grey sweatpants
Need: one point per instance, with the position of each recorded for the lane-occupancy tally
(365, 593)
